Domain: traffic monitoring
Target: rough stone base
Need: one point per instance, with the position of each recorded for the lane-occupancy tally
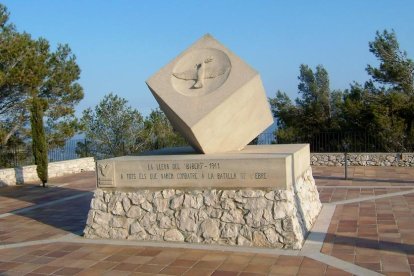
(246, 217)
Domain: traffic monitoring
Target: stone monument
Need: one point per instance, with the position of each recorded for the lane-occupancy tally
(220, 191)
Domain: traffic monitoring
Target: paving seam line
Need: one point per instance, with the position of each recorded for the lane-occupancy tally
(30, 208)
(366, 187)
(272, 251)
(64, 184)
(360, 199)
(29, 243)
(316, 237)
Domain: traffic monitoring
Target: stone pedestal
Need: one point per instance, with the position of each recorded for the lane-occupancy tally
(262, 196)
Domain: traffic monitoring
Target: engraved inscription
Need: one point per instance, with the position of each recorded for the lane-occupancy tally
(261, 175)
(156, 173)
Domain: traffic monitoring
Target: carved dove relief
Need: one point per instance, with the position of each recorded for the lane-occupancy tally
(202, 71)
(104, 169)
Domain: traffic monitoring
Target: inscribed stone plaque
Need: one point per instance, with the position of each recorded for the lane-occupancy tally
(212, 97)
(224, 171)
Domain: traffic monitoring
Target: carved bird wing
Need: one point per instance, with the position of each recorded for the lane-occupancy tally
(102, 169)
(187, 75)
(211, 73)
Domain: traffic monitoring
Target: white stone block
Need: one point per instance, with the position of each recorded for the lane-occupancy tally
(213, 98)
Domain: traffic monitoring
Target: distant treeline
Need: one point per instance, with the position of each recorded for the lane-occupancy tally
(382, 108)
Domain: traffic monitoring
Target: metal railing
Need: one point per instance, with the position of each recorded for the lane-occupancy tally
(21, 155)
(338, 141)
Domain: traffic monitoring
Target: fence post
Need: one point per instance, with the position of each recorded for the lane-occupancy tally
(346, 165)
(15, 159)
(398, 158)
(86, 148)
(346, 147)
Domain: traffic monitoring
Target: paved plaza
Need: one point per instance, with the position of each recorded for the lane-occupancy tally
(366, 227)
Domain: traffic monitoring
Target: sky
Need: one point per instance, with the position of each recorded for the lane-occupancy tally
(120, 44)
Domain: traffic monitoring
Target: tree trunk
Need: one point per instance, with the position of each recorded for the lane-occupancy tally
(10, 134)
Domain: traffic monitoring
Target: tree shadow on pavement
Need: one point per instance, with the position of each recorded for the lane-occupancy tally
(64, 207)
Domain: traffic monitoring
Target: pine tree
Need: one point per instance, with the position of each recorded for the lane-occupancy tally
(29, 68)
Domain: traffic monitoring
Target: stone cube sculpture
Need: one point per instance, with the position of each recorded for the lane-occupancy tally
(213, 98)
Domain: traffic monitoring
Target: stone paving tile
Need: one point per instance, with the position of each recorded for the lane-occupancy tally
(111, 263)
(44, 223)
(364, 176)
(332, 195)
(22, 196)
(332, 271)
(19, 198)
(375, 234)
(49, 221)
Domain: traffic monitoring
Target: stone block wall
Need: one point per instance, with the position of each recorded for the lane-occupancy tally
(245, 217)
(363, 159)
(20, 175)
